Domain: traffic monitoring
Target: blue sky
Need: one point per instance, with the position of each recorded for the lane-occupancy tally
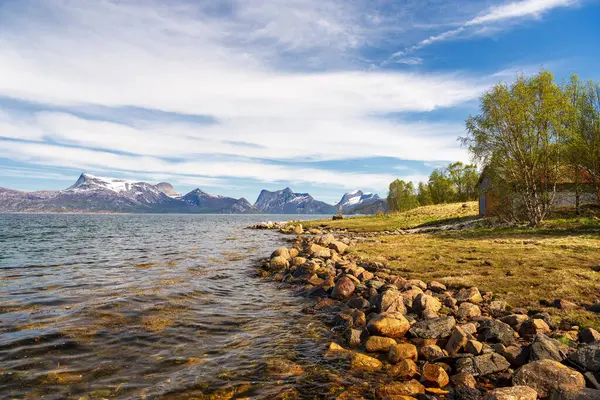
(236, 96)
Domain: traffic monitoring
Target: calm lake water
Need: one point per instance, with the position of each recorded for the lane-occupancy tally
(146, 306)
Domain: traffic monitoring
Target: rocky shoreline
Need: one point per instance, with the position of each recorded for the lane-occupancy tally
(416, 340)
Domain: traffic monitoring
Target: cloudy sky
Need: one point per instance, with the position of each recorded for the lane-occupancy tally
(234, 96)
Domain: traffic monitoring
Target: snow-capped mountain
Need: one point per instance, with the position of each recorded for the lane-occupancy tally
(92, 193)
(287, 202)
(359, 202)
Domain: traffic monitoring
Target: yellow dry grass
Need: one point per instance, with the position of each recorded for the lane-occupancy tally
(438, 214)
(519, 266)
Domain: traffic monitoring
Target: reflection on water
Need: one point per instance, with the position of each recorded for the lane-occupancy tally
(146, 306)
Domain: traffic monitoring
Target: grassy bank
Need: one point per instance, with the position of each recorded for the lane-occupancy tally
(560, 260)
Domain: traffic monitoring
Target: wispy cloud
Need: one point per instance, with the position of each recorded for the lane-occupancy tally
(495, 15)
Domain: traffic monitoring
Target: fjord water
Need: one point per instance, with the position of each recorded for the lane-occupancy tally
(144, 306)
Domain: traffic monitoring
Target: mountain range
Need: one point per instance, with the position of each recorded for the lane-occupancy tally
(98, 194)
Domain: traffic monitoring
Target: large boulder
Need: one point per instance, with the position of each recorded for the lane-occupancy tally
(495, 331)
(484, 364)
(546, 375)
(379, 344)
(512, 393)
(434, 328)
(587, 357)
(545, 348)
(364, 363)
(472, 295)
(392, 325)
(343, 289)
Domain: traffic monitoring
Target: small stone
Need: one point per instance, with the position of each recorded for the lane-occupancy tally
(512, 393)
(379, 344)
(405, 369)
(474, 347)
(298, 229)
(436, 287)
(434, 375)
(296, 261)
(457, 340)
(278, 263)
(392, 325)
(343, 288)
(565, 305)
(467, 311)
(469, 328)
(495, 331)
(353, 337)
(319, 251)
(358, 303)
(282, 252)
(435, 328)
(390, 301)
(340, 247)
(463, 379)
(514, 320)
(482, 365)
(515, 354)
(472, 295)
(359, 317)
(464, 393)
(497, 308)
(589, 335)
(546, 375)
(402, 351)
(431, 352)
(531, 327)
(343, 322)
(362, 362)
(424, 303)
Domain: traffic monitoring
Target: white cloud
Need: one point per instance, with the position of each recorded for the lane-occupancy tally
(409, 60)
(506, 12)
(245, 66)
(86, 159)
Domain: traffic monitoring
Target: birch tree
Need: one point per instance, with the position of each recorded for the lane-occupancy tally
(520, 133)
